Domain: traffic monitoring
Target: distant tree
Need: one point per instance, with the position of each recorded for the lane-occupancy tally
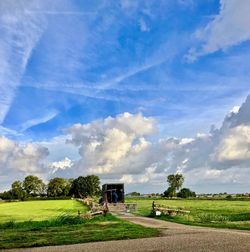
(17, 191)
(86, 186)
(175, 182)
(6, 195)
(58, 187)
(169, 193)
(228, 197)
(34, 185)
(135, 194)
(186, 193)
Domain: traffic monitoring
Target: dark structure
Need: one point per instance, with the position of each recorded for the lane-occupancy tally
(108, 191)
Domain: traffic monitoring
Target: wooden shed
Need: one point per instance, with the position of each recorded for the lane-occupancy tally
(108, 189)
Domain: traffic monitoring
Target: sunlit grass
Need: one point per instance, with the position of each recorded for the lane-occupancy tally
(56, 222)
(38, 210)
(214, 213)
(69, 230)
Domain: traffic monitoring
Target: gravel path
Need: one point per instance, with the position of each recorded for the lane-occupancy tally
(174, 237)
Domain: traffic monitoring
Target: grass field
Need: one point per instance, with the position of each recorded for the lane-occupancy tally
(42, 223)
(38, 210)
(214, 213)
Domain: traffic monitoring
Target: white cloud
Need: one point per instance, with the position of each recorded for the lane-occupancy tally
(35, 121)
(123, 148)
(127, 148)
(128, 179)
(227, 180)
(230, 27)
(235, 109)
(220, 157)
(113, 144)
(8, 132)
(62, 164)
(17, 160)
(186, 141)
(143, 26)
(235, 145)
(149, 175)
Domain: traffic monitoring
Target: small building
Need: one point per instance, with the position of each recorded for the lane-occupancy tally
(109, 189)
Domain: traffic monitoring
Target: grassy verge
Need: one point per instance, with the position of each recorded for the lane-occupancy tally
(69, 230)
(210, 213)
(213, 221)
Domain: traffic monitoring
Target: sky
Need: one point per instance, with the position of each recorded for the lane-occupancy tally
(128, 90)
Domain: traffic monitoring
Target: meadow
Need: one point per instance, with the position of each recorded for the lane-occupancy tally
(213, 213)
(38, 210)
(42, 223)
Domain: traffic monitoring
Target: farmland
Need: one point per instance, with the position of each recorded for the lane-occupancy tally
(212, 213)
(41, 223)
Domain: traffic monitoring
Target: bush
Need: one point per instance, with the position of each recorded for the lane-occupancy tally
(186, 193)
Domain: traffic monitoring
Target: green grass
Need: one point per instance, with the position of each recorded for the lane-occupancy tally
(212, 213)
(55, 222)
(38, 210)
(69, 230)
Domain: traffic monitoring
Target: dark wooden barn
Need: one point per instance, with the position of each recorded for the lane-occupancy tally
(109, 189)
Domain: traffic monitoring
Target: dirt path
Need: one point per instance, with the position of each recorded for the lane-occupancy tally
(175, 237)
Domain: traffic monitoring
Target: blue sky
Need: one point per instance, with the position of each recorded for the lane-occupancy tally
(183, 63)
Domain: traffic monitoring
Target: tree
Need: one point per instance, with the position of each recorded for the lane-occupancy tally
(33, 185)
(175, 182)
(134, 194)
(6, 195)
(169, 192)
(79, 187)
(93, 185)
(186, 193)
(86, 186)
(58, 187)
(17, 191)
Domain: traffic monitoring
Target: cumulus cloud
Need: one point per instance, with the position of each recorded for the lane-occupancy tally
(127, 148)
(113, 145)
(221, 156)
(128, 179)
(235, 145)
(230, 27)
(17, 160)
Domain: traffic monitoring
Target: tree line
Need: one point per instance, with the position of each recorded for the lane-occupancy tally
(34, 187)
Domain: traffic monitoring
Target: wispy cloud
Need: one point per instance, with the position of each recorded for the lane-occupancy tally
(35, 121)
(74, 13)
(20, 33)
